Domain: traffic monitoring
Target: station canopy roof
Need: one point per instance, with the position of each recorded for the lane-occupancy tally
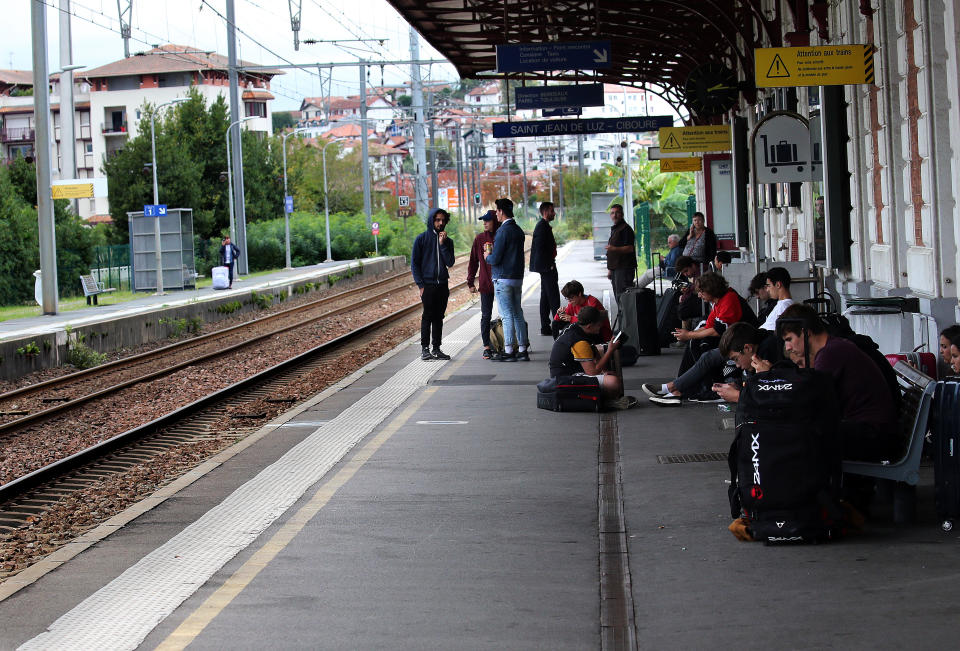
(653, 41)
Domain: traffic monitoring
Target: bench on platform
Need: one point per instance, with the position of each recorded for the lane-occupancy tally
(93, 288)
(904, 474)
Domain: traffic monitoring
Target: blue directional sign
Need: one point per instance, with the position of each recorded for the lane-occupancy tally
(535, 97)
(541, 128)
(568, 111)
(288, 204)
(531, 57)
(155, 210)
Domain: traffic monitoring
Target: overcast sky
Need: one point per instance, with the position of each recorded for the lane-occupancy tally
(266, 38)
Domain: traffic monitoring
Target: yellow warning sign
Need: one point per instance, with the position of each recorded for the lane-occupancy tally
(827, 65)
(709, 138)
(72, 191)
(689, 164)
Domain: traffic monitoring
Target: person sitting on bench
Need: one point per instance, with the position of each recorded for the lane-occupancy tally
(753, 350)
(574, 353)
(944, 363)
(778, 288)
(758, 290)
(576, 301)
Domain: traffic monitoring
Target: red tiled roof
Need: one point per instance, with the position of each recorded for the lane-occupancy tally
(17, 77)
(169, 58)
(256, 94)
(99, 219)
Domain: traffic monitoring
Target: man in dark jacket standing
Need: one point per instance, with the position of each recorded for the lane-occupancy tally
(506, 264)
(543, 260)
(228, 257)
(482, 245)
(432, 255)
(621, 253)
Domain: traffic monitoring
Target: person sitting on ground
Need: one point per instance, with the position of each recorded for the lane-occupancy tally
(483, 244)
(721, 260)
(758, 290)
(868, 422)
(576, 300)
(574, 353)
(778, 287)
(753, 350)
(944, 363)
(667, 267)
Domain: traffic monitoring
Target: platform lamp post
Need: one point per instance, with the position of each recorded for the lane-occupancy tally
(326, 200)
(286, 215)
(233, 232)
(156, 191)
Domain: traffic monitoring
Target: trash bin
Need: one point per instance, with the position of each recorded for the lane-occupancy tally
(38, 287)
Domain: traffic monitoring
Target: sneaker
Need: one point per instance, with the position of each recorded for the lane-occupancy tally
(439, 354)
(623, 402)
(506, 357)
(651, 389)
(487, 353)
(671, 400)
(706, 397)
(425, 355)
(523, 357)
(546, 332)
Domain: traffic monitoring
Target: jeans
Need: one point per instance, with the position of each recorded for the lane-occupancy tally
(707, 367)
(514, 324)
(549, 297)
(434, 301)
(486, 311)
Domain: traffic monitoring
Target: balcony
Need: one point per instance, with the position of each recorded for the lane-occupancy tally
(17, 134)
(114, 129)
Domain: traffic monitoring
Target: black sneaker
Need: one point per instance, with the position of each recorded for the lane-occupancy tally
(651, 389)
(425, 355)
(487, 353)
(523, 357)
(439, 354)
(546, 332)
(507, 357)
(706, 397)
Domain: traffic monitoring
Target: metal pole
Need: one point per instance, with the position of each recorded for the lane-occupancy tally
(158, 253)
(286, 215)
(41, 117)
(68, 142)
(628, 184)
(240, 221)
(364, 151)
(434, 180)
(420, 158)
(326, 201)
(560, 213)
(456, 154)
(233, 221)
(526, 200)
(580, 154)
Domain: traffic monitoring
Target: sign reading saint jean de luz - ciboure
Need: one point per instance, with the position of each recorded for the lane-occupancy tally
(540, 128)
(574, 55)
(823, 65)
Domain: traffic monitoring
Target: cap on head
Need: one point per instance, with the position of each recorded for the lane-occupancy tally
(488, 216)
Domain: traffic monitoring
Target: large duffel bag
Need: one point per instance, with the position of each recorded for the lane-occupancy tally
(221, 277)
(946, 459)
(570, 393)
(638, 319)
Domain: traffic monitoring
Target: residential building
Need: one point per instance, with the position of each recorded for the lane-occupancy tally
(486, 98)
(318, 112)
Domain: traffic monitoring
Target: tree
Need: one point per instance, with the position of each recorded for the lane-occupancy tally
(283, 120)
(305, 177)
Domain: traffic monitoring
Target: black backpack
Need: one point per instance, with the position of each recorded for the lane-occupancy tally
(786, 455)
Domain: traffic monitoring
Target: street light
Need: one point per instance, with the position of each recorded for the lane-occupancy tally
(233, 234)
(156, 191)
(326, 200)
(286, 215)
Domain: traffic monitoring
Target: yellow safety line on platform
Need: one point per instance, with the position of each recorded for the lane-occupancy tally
(188, 631)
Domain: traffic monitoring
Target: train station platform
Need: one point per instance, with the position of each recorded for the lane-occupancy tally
(431, 505)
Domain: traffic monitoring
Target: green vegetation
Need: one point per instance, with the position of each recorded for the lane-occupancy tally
(79, 354)
(30, 350)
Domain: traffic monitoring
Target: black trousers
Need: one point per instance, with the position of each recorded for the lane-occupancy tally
(620, 279)
(434, 301)
(486, 312)
(549, 297)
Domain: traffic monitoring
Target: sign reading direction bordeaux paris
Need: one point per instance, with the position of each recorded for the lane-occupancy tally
(540, 97)
(542, 128)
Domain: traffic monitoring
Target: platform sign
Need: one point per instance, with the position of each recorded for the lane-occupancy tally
(288, 204)
(404, 201)
(78, 188)
(690, 139)
(540, 97)
(781, 149)
(687, 164)
(375, 228)
(569, 111)
(542, 128)
(827, 65)
(575, 55)
(155, 210)
(404, 212)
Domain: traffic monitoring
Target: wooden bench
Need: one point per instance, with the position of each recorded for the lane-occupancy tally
(92, 288)
(904, 473)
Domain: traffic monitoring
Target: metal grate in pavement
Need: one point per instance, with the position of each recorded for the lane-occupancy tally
(692, 458)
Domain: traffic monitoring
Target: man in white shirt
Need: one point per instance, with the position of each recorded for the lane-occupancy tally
(778, 287)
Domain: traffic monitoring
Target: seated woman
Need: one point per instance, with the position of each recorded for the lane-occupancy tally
(576, 301)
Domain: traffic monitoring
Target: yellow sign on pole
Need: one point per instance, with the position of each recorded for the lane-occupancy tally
(827, 65)
(72, 191)
(688, 164)
(709, 138)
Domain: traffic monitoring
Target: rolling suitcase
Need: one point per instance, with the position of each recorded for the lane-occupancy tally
(220, 277)
(638, 319)
(569, 393)
(946, 461)
(926, 363)
(667, 318)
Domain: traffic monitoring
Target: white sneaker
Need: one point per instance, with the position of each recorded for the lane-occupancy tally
(670, 400)
(651, 389)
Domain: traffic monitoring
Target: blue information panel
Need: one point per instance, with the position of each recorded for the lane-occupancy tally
(541, 128)
(530, 57)
(569, 111)
(155, 210)
(535, 97)
(288, 204)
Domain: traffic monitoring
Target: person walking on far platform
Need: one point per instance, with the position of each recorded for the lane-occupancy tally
(506, 263)
(482, 245)
(543, 260)
(228, 258)
(430, 259)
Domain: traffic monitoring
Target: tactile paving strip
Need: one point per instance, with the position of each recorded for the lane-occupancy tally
(122, 613)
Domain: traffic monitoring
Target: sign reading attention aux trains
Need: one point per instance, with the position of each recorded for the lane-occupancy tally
(826, 65)
(689, 139)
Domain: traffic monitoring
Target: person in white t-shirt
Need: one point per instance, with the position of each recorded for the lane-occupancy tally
(778, 287)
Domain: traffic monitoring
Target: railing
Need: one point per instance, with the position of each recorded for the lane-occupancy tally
(17, 134)
(110, 129)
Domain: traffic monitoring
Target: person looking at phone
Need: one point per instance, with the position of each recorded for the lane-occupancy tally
(753, 350)
(431, 257)
(576, 300)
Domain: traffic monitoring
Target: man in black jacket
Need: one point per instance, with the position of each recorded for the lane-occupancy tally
(543, 260)
(229, 253)
(432, 255)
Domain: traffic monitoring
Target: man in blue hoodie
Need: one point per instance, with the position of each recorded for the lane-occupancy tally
(431, 256)
(506, 265)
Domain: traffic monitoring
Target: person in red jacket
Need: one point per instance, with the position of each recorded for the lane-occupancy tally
(482, 245)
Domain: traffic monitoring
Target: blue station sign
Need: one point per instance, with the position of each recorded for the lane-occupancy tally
(155, 210)
(541, 128)
(540, 97)
(531, 57)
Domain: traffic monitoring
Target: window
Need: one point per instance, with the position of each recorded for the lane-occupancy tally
(256, 109)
